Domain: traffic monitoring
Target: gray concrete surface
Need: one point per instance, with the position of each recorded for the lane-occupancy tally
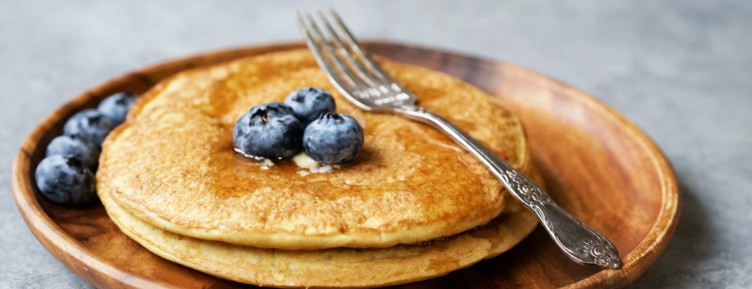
(681, 70)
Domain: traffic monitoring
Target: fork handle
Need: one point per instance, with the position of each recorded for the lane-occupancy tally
(578, 241)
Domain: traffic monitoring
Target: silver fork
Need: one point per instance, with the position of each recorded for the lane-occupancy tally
(362, 81)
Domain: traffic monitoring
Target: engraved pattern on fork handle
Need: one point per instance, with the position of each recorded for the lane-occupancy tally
(578, 241)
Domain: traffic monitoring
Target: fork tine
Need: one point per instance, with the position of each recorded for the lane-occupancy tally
(329, 54)
(312, 43)
(365, 56)
(352, 59)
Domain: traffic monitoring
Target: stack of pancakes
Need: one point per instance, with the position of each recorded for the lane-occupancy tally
(412, 206)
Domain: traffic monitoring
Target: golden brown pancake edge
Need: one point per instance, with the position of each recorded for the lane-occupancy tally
(338, 267)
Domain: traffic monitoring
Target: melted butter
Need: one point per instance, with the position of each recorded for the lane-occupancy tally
(304, 161)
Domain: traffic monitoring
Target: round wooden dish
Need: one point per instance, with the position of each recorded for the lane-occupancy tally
(598, 166)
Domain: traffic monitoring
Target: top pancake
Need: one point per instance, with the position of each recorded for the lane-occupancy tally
(172, 163)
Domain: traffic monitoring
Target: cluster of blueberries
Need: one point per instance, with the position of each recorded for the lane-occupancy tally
(306, 120)
(66, 175)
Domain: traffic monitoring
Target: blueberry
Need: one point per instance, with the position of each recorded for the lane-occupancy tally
(116, 106)
(268, 131)
(333, 138)
(65, 181)
(310, 102)
(76, 147)
(91, 124)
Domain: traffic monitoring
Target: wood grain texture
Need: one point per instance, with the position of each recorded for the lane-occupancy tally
(597, 165)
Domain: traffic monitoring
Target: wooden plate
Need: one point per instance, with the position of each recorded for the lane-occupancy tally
(598, 166)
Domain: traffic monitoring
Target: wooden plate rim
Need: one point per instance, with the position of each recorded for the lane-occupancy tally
(71, 253)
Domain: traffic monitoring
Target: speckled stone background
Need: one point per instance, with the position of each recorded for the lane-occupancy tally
(681, 70)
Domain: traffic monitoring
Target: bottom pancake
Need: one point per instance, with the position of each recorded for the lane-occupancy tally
(339, 267)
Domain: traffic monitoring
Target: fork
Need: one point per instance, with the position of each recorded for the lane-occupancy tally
(362, 81)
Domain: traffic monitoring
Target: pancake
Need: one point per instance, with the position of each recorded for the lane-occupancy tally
(340, 267)
(172, 162)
